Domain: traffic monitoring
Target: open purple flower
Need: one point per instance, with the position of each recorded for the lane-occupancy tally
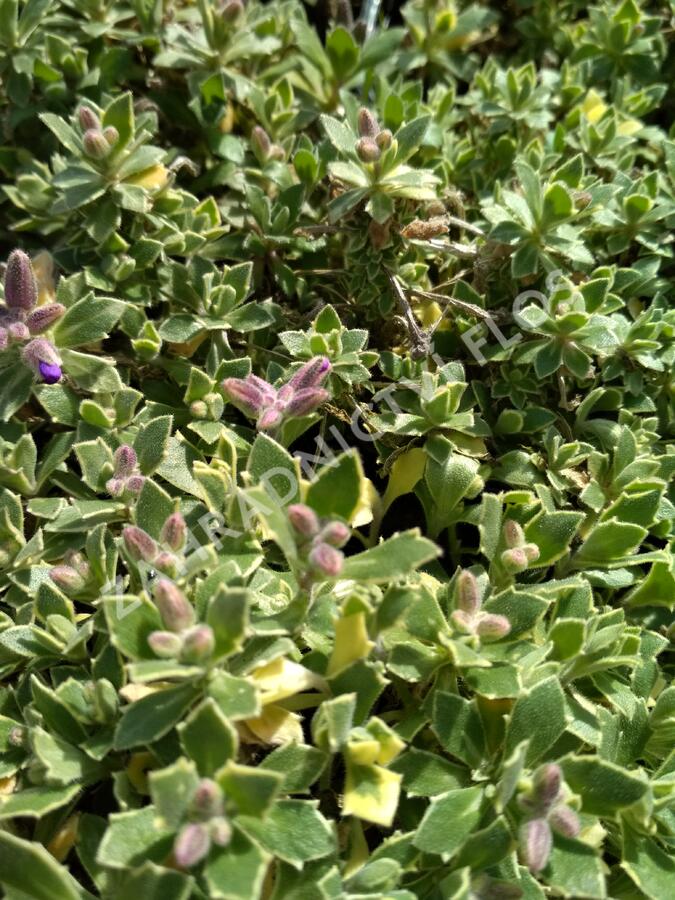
(40, 354)
(50, 372)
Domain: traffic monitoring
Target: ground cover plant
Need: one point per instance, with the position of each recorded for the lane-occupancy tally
(336, 450)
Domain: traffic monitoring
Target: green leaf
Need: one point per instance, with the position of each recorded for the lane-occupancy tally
(552, 532)
(299, 764)
(410, 137)
(120, 114)
(538, 716)
(449, 820)
(151, 443)
(253, 790)
(134, 837)
(29, 868)
(208, 738)
(89, 320)
(149, 719)
(228, 617)
(397, 556)
(271, 464)
(609, 541)
(336, 491)
(236, 872)
(294, 830)
(604, 788)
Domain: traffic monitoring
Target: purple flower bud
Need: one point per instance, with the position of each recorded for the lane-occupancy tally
(18, 332)
(139, 544)
(43, 359)
(174, 531)
(166, 562)
(220, 831)
(514, 560)
(232, 10)
(207, 800)
(165, 644)
(67, 578)
(367, 150)
(50, 373)
(492, 627)
(135, 483)
(124, 460)
(513, 534)
(311, 375)
(95, 145)
(173, 605)
(192, 845)
(335, 533)
(78, 562)
(269, 419)
(198, 644)
(111, 134)
(43, 317)
(367, 124)
(535, 844)
(546, 785)
(468, 595)
(565, 821)
(326, 559)
(88, 119)
(4, 339)
(20, 284)
(384, 139)
(115, 486)
(247, 395)
(303, 519)
(462, 621)
(269, 392)
(306, 401)
(262, 145)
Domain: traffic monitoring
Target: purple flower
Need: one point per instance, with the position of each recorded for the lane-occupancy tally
(40, 354)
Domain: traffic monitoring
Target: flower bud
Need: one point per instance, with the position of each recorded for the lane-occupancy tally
(106, 700)
(88, 119)
(139, 544)
(546, 785)
(192, 845)
(462, 621)
(468, 595)
(306, 401)
(95, 145)
(207, 800)
(166, 563)
(514, 535)
(247, 395)
(124, 460)
(232, 10)
(335, 533)
(531, 551)
(384, 139)
(174, 531)
(43, 359)
(565, 821)
(198, 644)
(20, 284)
(4, 339)
(535, 844)
(311, 375)
(261, 143)
(514, 560)
(303, 519)
(165, 644)
(199, 409)
(326, 559)
(78, 562)
(17, 736)
(367, 124)
(367, 150)
(174, 608)
(220, 831)
(135, 483)
(492, 627)
(43, 317)
(111, 134)
(67, 578)
(18, 332)
(269, 419)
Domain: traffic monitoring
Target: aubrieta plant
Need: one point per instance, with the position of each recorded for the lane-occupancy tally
(337, 442)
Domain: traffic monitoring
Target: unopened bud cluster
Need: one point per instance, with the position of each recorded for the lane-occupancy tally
(373, 140)
(545, 811)
(126, 474)
(97, 141)
(207, 825)
(519, 553)
(468, 616)
(73, 575)
(270, 406)
(182, 639)
(21, 319)
(318, 541)
(163, 556)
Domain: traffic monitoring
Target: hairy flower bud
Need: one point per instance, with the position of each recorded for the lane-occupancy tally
(261, 143)
(384, 139)
(232, 10)
(88, 119)
(564, 820)
(546, 785)
(311, 375)
(67, 578)
(95, 144)
(326, 559)
(139, 544)
(134, 483)
(20, 284)
(207, 800)
(4, 339)
(513, 534)
(192, 845)
(303, 519)
(198, 644)
(335, 533)
(174, 608)
(43, 359)
(531, 551)
(535, 844)
(174, 531)
(18, 332)
(111, 134)
(247, 394)
(124, 460)
(165, 644)
(468, 595)
(367, 150)
(270, 419)
(492, 627)
(462, 621)
(220, 831)
(306, 401)
(166, 562)
(43, 317)
(514, 560)
(367, 124)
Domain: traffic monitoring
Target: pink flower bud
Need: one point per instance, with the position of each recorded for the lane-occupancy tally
(531, 551)
(565, 821)
(4, 339)
(462, 621)
(43, 317)
(367, 124)
(514, 560)
(303, 519)
(174, 532)
(166, 562)
(367, 150)
(174, 608)
(335, 533)
(139, 544)
(88, 119)
(492, 627)
(311, 375)
(306, 401)
(43, 359)
(67, 578)
(18, 332)
(115, 486)
(247, 395)
(165, 644)
(384, 139)
(269, 419)
(207, 800)
(535, 844)
(326, 559)
(546, 785)
(232, 10)
(135, 483)
(192, 845)
(20, 284)
(124, 460)
(262, 145)
(268, 391)
(220, 831)
(111, 134)
(513, 534)
(198, 644)
(468, 595)
(95, 145)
